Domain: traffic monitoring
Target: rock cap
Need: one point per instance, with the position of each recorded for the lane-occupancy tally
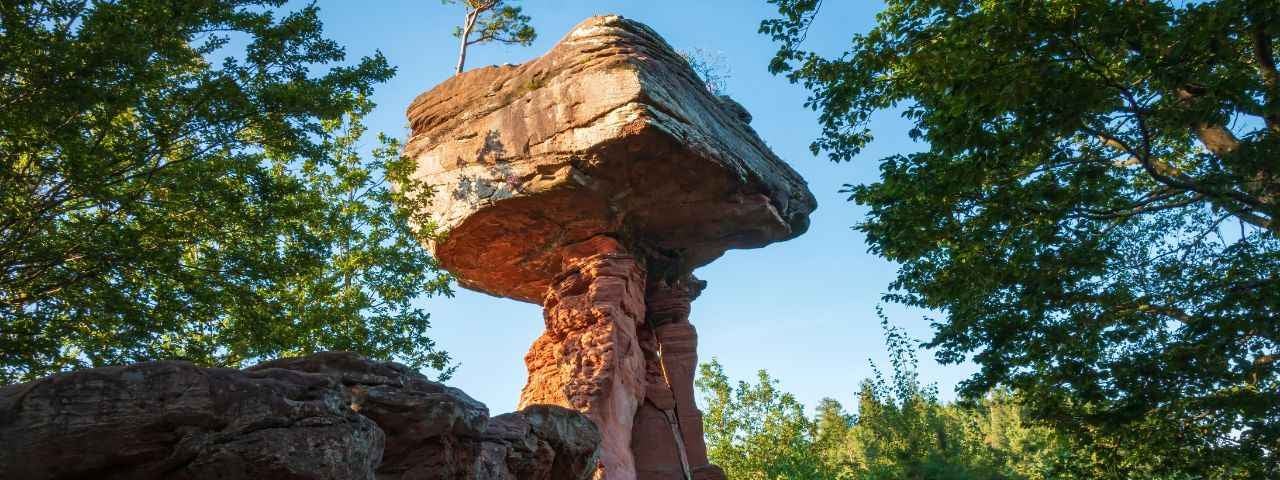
(609, 133)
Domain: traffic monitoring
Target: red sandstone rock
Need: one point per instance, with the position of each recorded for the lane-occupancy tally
(588, 358)
(670, 393)
(594, 179)
(327, 416)
(610, 133)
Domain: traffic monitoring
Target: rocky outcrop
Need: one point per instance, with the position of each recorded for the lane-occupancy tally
(594, 180)
(609, 133)
(668, 423)
(589, 357)
(324, 416)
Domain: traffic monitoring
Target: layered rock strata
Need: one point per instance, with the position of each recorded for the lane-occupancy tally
(593, 180)
(325, 416)
(589, 357)
(670, 346)
(609, 133)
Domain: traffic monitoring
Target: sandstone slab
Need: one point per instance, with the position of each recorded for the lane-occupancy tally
(608, 133)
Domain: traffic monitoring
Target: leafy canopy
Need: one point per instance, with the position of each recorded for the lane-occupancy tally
(756, 431)
(900, 431)
(1096, 211)
(161, 203)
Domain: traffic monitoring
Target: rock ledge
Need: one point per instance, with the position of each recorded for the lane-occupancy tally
(332, 415)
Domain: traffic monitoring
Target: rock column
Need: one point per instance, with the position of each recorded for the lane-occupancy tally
(668, 427)
(589, 358)
(581, 143)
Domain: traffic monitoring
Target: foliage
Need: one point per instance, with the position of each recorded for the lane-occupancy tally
(757, 432)
(360, 297)
(1095, 213)
(901, 431)
(491, 21)
(157, 204)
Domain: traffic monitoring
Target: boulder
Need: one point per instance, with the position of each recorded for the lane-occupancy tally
(593, 180)
(611, 132)
(332, 415)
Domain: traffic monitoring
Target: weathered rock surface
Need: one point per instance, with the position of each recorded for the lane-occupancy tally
(610, 132)
(669, 408)
(594, 180)
(325, 416)
(588, 357)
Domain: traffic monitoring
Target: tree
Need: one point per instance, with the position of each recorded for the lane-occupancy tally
(712, 68)
(360, 296)
(900, 431)
(903, 431)
(157, 204)
(491, 21)
(757, 431)
(1095, 213)
(831, 435)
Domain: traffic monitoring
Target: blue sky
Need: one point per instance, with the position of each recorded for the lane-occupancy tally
(804, 309)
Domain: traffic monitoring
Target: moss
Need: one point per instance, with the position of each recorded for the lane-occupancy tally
(532, 83)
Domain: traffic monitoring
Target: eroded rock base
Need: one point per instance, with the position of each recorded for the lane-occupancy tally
(619, 348)
(589, 359)
(669, 409)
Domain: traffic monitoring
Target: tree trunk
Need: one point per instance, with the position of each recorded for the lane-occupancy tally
(466, 33)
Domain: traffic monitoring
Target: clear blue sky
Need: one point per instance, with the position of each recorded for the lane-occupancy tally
(804, 310)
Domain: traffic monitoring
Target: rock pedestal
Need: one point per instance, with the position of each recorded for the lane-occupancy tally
(670, 345)
(594, 180)
(588, 358)
(621, 350)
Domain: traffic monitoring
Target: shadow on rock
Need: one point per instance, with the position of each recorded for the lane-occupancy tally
(333, 415)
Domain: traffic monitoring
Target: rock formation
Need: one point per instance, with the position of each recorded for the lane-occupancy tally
(326, 416)
(594, 180)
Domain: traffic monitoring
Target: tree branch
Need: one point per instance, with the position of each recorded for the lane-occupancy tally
(468, 23)
(1168, 311)
(1216, 138)
(1148, 205)
(1243, 205)
(1264, 360)
(1264, 55)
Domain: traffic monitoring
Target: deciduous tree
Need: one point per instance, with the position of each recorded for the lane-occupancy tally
(178, 182)
(757, 431)
(1094, 213)
(901, 431)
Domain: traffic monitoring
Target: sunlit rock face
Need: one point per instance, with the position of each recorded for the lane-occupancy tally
(593, 180)
(608, 133)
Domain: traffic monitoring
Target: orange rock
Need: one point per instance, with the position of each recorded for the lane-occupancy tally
(609, 133)
(595, 179)
(670, 395)
(588, 359)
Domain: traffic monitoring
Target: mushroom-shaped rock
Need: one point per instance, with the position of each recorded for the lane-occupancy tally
(609, 133)
(593, 180)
